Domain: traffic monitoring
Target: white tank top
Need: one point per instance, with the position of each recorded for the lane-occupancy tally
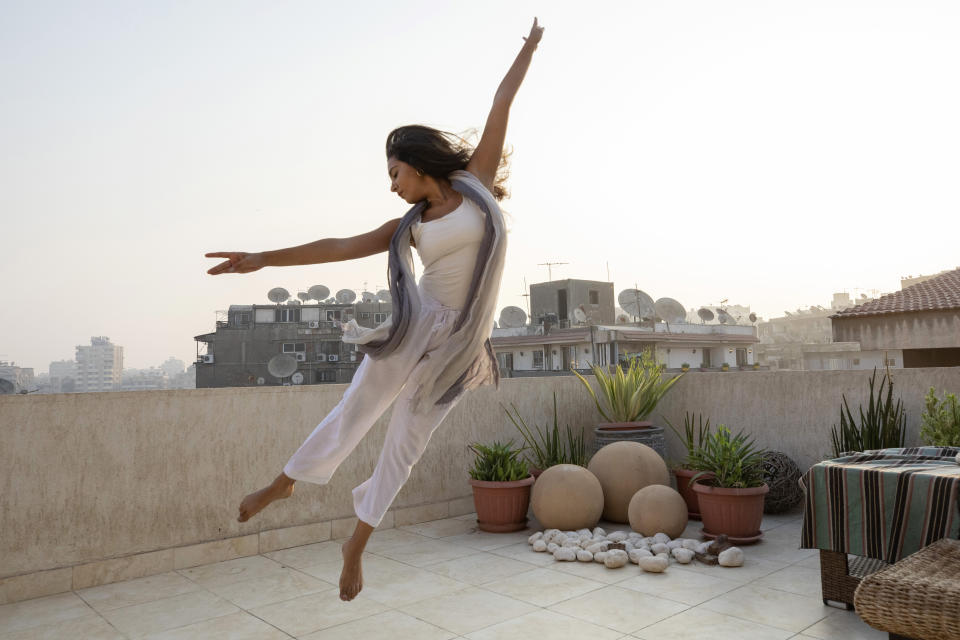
(448, 249)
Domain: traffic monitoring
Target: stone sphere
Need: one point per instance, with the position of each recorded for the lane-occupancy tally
(657, 508)
(623, 468)
(567, 497)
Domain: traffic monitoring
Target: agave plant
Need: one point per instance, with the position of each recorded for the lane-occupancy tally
(882, 426)
(735, 461)
(499, 462)
(632, 395)
(546, 446)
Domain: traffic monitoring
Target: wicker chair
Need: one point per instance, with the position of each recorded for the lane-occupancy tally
(917, 597)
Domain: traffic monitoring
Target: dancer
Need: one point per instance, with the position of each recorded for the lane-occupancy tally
(435, 345)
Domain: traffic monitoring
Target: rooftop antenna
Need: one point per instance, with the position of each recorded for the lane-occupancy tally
(512, 317)
(368, 296)
(705, 315)
(346, 296)
(580, 315)
(281, 365)
(549, 266)
(669, 310)
(383, 295)
(526, 295)
(278, 295)
(303, 295)
(318, 292)
(636, 303)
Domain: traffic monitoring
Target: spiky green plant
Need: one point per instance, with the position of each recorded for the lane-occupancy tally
(499, 462)
(695, 432)
(632, 395)
(940, 420)
(882, 426)
(735, 461)
(546, 445)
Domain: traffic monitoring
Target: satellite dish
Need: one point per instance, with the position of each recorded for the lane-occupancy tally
(753, 317)
(368, 296)
(329, 300)
(383, 295)
(723, 317)
(281, 365)
(297, 378)
(580, 314)
(636, 303)
(278, 295)
(304, 296)
(669, 310)
(705, 314)
(512, 317)
(346, 296)
(318, 292)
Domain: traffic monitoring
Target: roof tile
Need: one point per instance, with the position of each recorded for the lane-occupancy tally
(936, 294)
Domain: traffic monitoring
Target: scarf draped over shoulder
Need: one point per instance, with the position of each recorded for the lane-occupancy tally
(466, 360)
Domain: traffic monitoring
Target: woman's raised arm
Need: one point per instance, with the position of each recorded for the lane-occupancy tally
(486, 157)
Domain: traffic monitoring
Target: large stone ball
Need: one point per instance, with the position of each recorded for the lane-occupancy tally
(623, 468)
(567, 497)
(657, 508)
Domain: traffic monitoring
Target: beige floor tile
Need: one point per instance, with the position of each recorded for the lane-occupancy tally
(391, 625)
(795, 579)
(701, 624)
(468, 610)
(47, 610)
(316, 611)
(137, 591)
(427, 551)
(160, 615)
(276, 587)
(770, 607)
(545, 624)
(479, 568)
(813, 562)
(524, 553)
(236, 626)
(392, 538)
(308, 554)
(680, 586)
(372, 566)
(86, 628)
(486, 541)
(441, 528)
(543, 587)
(230, 571)
(846, 625)
(775, 551)
(752, 569)
(468, 516)
(622, 610)
(596, 571)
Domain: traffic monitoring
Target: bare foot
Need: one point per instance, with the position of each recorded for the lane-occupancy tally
(351, 578)
(254, 502)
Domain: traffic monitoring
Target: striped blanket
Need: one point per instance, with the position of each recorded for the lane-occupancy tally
(882, 504)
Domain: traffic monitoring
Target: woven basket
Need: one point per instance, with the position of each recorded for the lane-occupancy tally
(918, 597)
(650, 436)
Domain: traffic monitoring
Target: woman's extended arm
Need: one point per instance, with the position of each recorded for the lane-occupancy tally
(486, 157)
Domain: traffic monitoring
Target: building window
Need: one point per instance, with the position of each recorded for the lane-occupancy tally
(333, 314)
(594, 297)
(292, 347)
(288, 315)
(705, 361)
(538, 359)
(741, 357)
(856, 362)
(242, 319)
(326, 375)
(379, 317)
(328, 347)
(891, 362)
(364, 315)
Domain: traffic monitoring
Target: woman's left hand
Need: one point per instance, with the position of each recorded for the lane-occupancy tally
(536, 32)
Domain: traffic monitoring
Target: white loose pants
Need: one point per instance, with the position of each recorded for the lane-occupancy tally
(375, 385)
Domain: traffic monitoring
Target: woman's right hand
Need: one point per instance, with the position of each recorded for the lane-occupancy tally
(236, 262)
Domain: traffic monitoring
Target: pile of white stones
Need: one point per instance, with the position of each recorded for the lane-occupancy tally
(650, 553)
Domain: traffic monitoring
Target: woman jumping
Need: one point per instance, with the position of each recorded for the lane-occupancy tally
(435, 345)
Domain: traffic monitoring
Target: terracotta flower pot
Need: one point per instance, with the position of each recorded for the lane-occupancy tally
(735, 512)
(686, 490)
(502, 506)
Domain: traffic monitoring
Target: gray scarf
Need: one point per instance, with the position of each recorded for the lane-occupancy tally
(466, 360)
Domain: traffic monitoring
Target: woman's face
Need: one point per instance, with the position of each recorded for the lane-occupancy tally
(405, 182)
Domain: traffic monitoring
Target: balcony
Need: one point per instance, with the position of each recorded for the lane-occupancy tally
(119, 521)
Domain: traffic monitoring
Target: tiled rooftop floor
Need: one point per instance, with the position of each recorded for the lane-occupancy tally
(445, 579)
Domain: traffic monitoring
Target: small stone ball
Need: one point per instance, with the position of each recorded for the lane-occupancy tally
(565, 554)
(615, 559)
(732, 557)
(683, 556)
(584, 556)
(539, 546)
(567, 496)
(655, 564)
(657, 508)
(623, 468)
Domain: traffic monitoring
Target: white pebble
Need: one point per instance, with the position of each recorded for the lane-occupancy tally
(655, 564)
(629, 546)
(615, 559)
(537, 536)
(539, 546)
(661, 537)
(560, 539)
(649, 541)
(703, 546)
(674, 544)
(565, 554)
(683, 556)
(584, 532)
(597, 531)
(600, 556)
(732, 557)
(636, 554)
(689, 543)
(553, 546)
(584, 556)
(660, 548)
(617, 536)
(597, 547)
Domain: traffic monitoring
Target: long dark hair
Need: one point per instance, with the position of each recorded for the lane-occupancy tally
(438, 153)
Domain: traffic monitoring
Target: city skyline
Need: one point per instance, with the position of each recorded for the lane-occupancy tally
(766, 154)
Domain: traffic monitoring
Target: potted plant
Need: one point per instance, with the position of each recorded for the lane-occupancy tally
(501, 484)
(695, 431)
(685, 367)
(731, 502)
(883, 425)
(940, 421)
(756, 366)
(725, 366)
(546, 446)
(704, 366)
(629, 397)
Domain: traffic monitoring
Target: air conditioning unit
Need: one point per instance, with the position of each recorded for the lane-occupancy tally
(353, 356)
(321, 357)
(333, 358)
(301, 357)
(314, 324)
(207, 359)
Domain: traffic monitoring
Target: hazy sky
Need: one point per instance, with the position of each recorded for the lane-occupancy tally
(769, 153)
